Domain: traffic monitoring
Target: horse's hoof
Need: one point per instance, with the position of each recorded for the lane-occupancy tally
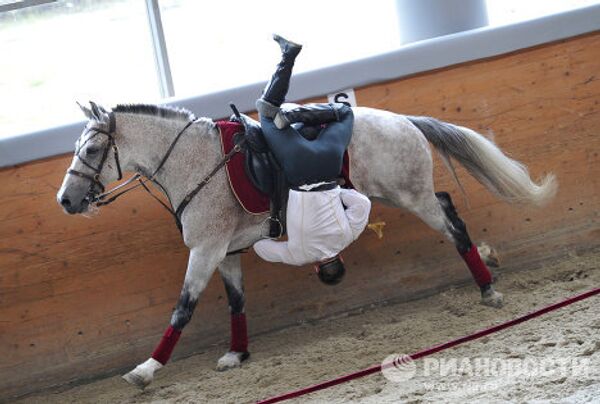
(231, 360)
(143, 374)
(489, 255)
(492, 298)
(136, 380)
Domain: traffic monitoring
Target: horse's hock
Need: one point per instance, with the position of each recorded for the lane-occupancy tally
(81, 298)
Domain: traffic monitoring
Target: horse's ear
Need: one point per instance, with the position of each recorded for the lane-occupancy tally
(96, 111)
(86, 111)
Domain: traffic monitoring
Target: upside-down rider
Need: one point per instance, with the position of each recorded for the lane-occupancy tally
(322, 218)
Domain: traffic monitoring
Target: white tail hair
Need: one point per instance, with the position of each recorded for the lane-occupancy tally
(503, 176)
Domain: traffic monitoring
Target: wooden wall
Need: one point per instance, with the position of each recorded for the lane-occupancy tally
(83, 297)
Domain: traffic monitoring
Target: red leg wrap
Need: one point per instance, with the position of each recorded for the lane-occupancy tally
(163, 351)
(239, 333)
(478, 269)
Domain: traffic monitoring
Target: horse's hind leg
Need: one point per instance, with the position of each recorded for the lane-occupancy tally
(469, 252)
(439, 213)
(231, 274)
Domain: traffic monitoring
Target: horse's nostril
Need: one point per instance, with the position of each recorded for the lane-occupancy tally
(65, 202)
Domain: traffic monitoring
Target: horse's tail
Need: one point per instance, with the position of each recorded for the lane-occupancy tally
(505, 177)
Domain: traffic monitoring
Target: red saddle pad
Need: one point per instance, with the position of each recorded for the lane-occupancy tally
(251, 199)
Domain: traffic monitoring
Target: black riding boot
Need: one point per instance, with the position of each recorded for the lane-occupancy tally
(277, 88)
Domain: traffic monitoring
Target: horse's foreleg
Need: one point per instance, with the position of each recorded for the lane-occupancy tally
(469, 252)
(231, 274)
(201, 265)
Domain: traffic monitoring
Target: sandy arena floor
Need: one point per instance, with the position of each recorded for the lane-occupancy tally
(302, 355)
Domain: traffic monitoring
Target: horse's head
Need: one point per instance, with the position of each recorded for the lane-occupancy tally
(95, 162)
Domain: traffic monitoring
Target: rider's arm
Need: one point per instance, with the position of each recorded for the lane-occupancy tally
(357, 210)
(275, 251)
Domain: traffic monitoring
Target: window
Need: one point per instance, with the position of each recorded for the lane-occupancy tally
(502, 12)
(67, 51)
(222, 44)
(60, 51)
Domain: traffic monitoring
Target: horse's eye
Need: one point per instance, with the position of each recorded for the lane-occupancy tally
(90, 151)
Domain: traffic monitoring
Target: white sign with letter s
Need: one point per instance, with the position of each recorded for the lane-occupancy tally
(343, 97)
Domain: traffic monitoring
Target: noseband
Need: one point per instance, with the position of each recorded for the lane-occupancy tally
(95, 178)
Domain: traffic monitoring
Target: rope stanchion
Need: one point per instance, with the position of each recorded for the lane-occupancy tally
(432, 350)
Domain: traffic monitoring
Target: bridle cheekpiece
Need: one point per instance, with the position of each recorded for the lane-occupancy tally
(95, 183)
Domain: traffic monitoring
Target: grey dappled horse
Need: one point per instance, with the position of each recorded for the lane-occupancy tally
(391, 162)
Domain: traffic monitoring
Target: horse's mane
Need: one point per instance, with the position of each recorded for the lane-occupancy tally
(162, 111)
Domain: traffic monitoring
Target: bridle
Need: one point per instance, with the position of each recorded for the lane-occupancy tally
(95, 178)
(99, 198)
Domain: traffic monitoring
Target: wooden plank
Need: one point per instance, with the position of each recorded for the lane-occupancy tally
(81, 297)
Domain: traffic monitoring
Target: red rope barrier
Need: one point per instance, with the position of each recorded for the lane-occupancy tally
(432, 350)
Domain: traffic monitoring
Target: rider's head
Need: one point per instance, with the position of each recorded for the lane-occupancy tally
(331, 271)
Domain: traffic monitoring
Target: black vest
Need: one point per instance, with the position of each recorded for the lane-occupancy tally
(310, 161)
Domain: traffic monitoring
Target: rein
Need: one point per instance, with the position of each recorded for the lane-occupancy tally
(99, 200)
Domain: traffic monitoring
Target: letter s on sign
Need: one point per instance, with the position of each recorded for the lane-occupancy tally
(345, 97)
(340, 98)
